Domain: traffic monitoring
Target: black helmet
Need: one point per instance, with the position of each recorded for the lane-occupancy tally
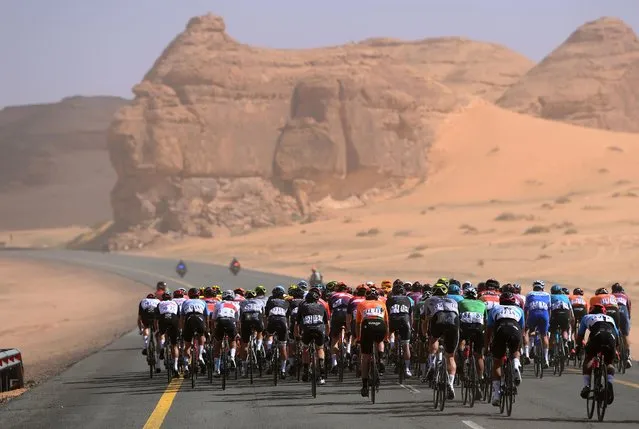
(492, 284)
(150, 296)
(454, 282)
(166, 296)
(194, 293)
(507, 298)
(578, 291)
(417, 287)
(208, 292)
(398, 290)
(372, 293)
(398, 282)
(161, 286)
(617, 288)
(313, 295)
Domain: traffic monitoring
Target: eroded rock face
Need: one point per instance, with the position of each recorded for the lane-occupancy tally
(590, 80)
(268, 133)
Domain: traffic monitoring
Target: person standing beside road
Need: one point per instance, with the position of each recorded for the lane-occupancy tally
(316, 279)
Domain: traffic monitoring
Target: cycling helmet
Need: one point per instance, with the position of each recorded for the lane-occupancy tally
(555, 290)
(539, 285)
(597, 309)
(208, 293)
(166, 296)
(292, 289)
(601, 291)
(278, 291)
(454, 282)
(517, 288)
(507, 287)
(217, 289)
(385, 284)
(361, 289)
(443, 280)
(372, 294)
(161, 286)
(260, 290)
(481, 287)
(330, 286)
(427, 287)
(250, 294)
(150, 296)
(617, 288)
(302, 284)
(341, 287)
(416, 287)
(454, 289)
(466, 285)
(507, 298)
(440, 289)
(470, 293)
(565, 291)
(228, 295)
(239, 291)
(178, 294)
(194, 293)
(398, 282)
(492, 284)
(313, 295)
(578, 291)
(399, 289)
(427, 294)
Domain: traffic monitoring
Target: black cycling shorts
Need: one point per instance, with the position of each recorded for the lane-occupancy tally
(373, 331)
(169, 326)
(401, 325)
(614, 313)
(506, 334)
(473, 332)
(560, 320)
(247, 326)
(224, 326)
(147, 320)
(448, 330)
(315, 334)
(277, 325)
(579, 312)
(602, 341)
(337, 321)
(193, 325)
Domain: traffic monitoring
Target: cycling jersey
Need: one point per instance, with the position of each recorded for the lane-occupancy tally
(168, 321)
(147, 306)
(371, 309)
(210, 304)
(625, 310)
(159, 293)
(197, 306)
(490, 297)
(438, 304)
(276, 307)
(596, 323)
(338, 303)
(521, 300)
(472, 311)
(507, 322)
(400, 312)
(179, 301)
(622, 299)
(457, 298)
(277, 311)
(415, 296)
(578, 301)
(537, 310)
(560, 302)
(607, 300)
(312, 318)
(195, 311)
(372, 319)
(603, 336)
(226, 310)
(167, 308)
(443, 313)
(251, 309)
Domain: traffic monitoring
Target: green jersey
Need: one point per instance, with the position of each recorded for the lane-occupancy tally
(472, 311)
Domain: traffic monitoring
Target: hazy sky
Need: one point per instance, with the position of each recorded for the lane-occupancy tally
(51, 49)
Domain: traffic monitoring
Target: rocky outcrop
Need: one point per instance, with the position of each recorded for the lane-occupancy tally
(590, 80)
(223, 137)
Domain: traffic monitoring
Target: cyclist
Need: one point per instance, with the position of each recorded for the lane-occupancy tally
(372, 330)
(579, 310)
(521, 299)
(277, 312)
(338, 303)
(193, 314)
(251, 318)
(260, 293)
(351, 312)
(440, 319)
(313, 325)
(146, 317)
(303, 284)
(400, 313)
(167, 322)
(537, 311)
(454, 290)
(466, 285)
(239, 294)
(609, 301)
(210, 299)
(625, 309)
(491, 295)
(561, 316)
(178, 297)
(160, 288)
(295, 298)
(603, 338)
(472, 319)
(505, 326)
(225, 319)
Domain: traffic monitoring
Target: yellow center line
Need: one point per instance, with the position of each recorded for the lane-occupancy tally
(164, 404)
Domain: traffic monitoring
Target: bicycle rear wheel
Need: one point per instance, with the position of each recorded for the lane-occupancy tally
(372, 388)
(602, 393)
(313, 372)
(590, 402)
(224, 362)
(443, 384)
(275, 363)
(400, 358)
(341, 361)
(510, 388)
(471, 378)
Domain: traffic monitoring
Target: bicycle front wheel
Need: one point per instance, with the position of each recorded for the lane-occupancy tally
(602, 394)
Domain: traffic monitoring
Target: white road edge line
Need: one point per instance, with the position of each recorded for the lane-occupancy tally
(472, 424)
(409, 388)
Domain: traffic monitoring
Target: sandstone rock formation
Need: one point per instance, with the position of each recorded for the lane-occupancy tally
(223, 137)
(592, 79)
(54, 167)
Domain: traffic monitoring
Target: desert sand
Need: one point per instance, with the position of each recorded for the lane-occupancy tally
(508, 196)
(58, 330)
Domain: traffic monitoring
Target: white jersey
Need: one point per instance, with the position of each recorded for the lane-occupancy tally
(179, 302)
(252, 305)
(194, 306)
(227, 310)
(437, 304)
(168, 308)
(148, 305)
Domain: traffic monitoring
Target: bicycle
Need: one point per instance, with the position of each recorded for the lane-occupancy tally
(579, 354)
(341, 355)
(440, 381)
(210, 361)
(558, 353)
(150, 352)
(313, 368)
(275, 359)
(399, 357)
(373, 369)
(253, 360)
(469, 374)
(224, 359)
(508, 388)
(298, 358)
(623, 356)
(168, 364)
(538, 359)
(599, 388)
(487, 388)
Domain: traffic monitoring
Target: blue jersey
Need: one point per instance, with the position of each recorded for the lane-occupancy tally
(457, 298)
(500, 313)
(538, 301)
(560, 302)
(595, 322)
(195, 306)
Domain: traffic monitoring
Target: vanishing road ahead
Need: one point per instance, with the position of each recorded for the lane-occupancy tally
(111, 389)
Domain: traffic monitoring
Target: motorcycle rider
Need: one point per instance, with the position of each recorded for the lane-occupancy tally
(234, 265)
(181, 268)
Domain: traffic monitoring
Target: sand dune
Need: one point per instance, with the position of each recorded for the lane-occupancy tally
(509, 196)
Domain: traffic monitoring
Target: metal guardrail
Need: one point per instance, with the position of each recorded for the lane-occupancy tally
(11, 370)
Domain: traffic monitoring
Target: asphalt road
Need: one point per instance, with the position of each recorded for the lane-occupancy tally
(111, 388)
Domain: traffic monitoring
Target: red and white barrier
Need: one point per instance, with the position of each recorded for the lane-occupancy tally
(11, 370)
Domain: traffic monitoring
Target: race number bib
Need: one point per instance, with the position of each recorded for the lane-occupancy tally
(469, 317)
(277, 311)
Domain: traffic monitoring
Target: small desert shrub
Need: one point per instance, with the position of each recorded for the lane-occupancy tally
(403, 233)
(589, 207)
(603, 171)
(370, 233)
(570, 231)
(547, 206)
(537, 229)
(562, 200)
(615, 149)
(468, 229)
(421, 247)
(415, 255)
(543, 256)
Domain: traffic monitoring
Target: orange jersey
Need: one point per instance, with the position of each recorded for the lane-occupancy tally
(578, 301)
(370, 309)
(607, 300)
(210, 303)
(326, 306)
